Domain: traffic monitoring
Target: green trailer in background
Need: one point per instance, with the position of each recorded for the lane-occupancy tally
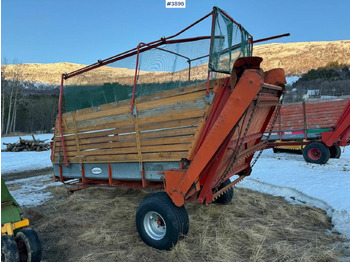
(18, 241)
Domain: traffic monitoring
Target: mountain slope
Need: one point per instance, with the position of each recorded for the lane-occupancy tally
(299, 58)
(294, 58)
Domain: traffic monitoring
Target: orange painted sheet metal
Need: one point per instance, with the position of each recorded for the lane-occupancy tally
(211, 161)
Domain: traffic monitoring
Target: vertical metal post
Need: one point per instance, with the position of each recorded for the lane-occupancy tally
(279, 123)
(110, 180)
(211, 43)
(143, 175)
(83, 174)
(61, 173)
(305, 124)
(251, 41)
(208, 81)
(135, 78)
(189, 70)
(60, 122)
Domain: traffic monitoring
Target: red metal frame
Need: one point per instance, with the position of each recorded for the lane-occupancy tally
(116, 183)
(135, 78)
(60, 123)
(341, 130)
(338, 136)
(269, 38)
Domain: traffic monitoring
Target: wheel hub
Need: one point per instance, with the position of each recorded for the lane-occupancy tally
(154, 225)
(314, 153)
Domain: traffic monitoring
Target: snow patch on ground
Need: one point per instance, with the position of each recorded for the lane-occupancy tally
(324, 186)
(12, 162)
(29, 192)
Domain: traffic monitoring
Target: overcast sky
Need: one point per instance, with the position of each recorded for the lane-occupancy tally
(82, 31)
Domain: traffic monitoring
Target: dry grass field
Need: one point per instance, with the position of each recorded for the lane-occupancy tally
(98, 224)
(294, 58)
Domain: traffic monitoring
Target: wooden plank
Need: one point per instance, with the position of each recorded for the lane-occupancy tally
(138, 143)
(273, 87)
(76, 137)
(147, 142)
(169, 132)
(145, 127)
(188, 130)
(147, 120)
(143, 106)
(131, 150)
(118, 120)
(172, 100)
(164, 94)
(162, 133)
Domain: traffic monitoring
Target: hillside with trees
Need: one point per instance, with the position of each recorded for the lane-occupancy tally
(331, 81)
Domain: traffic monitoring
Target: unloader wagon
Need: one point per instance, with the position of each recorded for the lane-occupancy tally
(179, 114)
(317, 128)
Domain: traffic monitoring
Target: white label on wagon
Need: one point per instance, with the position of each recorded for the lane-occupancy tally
(96, 170)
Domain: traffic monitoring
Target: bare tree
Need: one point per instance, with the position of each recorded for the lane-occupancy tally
(3, 93)
(12, 80)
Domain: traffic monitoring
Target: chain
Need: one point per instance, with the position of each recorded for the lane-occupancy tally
(238, 149)
(272, 126)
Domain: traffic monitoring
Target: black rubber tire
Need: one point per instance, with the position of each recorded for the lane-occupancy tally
(225, 198)
(9, 250)
(316, 153)
(275, 150)
(175, 219)
(335, 151)
(29, 246)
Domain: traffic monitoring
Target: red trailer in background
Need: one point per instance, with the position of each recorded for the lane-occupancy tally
(318, 128)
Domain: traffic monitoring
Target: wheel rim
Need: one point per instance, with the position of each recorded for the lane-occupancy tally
(22, 250)
(314, 154)
(154, 225)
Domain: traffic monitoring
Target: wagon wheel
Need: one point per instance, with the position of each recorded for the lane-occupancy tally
(317, 153)
(159, 222)
(227, 196)
(9, 250)
(276, 150)
(335, 151)
(29, 246)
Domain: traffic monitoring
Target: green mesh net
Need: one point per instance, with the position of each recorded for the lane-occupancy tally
(230, 41)
(183, 61)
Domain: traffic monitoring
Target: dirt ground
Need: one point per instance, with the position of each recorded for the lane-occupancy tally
(98, 224)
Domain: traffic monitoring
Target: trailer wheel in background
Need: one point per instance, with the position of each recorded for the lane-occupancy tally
(275, 150)
(9, 250)
(317, 153)
(159, 222)
(226, 197)
(335, 151)
(29, 246)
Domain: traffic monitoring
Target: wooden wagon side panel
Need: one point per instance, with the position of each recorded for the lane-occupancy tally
(319, 114)
(162, 128)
